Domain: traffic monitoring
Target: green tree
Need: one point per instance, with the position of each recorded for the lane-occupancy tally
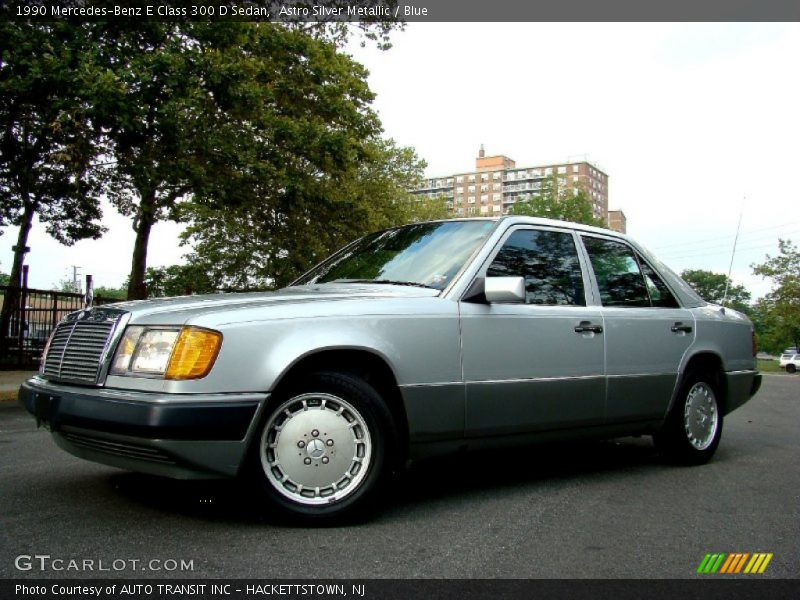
(111, 293)
(711, 287)
(555, 200)
(422, 208)
(289, 226)
(177, 280)
(47, 143)
(778, 313)
(224, 115)
(68, 285)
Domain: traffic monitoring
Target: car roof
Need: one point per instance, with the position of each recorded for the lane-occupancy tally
(687, 296)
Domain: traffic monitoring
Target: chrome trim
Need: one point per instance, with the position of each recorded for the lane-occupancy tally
(534, 379)
(638, 375)
(111, 346)
(118, 319)
(435, 384)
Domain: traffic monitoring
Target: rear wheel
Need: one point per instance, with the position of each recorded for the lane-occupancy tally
(790, 368)
(693, 428)
(324, 447)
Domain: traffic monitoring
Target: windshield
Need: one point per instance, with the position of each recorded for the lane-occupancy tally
(427, 254)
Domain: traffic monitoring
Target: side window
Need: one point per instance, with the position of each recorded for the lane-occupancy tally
(549, 263)
(659, 292)
(617, 272)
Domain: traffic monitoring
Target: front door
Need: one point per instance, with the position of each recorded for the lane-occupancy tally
(535, 366)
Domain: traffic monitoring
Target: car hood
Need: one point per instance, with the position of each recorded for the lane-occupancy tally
(191, 306)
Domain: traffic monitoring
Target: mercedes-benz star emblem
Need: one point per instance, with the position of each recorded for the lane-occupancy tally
(315, 448)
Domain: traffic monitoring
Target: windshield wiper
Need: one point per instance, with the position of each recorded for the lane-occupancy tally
(386, 282)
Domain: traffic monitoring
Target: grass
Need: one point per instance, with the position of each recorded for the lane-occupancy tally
(769, 366)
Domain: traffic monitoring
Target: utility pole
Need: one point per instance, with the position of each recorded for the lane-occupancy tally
(76, 282)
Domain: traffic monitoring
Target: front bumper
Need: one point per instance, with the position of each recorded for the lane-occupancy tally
(183, 436)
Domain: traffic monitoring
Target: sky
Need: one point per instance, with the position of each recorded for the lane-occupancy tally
(696, 125)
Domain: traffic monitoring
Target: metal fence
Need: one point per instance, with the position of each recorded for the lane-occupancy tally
(27, 317)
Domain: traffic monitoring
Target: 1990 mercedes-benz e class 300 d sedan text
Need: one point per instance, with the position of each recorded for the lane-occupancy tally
(407, 342)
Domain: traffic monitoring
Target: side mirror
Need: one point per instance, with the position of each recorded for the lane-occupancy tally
(504, 289)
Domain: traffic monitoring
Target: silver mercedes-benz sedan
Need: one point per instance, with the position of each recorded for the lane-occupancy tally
(408, 342)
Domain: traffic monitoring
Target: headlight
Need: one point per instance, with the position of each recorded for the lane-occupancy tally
(171, 353)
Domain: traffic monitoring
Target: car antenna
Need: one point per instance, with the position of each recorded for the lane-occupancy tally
(733, 253)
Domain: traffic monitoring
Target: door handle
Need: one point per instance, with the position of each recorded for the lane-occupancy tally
(678, 327)
(587, 327)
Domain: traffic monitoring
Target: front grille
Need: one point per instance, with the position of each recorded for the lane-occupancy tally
(120, 449)
(79, 346)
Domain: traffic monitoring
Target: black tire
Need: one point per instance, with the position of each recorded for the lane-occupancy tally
(690, 435)
(790, 368)
(345, 444)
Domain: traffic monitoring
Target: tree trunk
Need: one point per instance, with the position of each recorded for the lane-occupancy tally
(143, 223)
(11, 300)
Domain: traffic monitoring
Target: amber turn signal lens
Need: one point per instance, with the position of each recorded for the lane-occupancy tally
(194, 353)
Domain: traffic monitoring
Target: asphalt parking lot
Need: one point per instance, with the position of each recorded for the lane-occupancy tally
(600, 510)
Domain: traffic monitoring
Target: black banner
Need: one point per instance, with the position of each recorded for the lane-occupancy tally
(292, 11)
(235, 589)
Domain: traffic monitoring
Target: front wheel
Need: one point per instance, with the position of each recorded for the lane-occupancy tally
(693, 428)
(324, 447)
(790, 368)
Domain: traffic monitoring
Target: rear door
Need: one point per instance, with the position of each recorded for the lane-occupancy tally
(646, 331)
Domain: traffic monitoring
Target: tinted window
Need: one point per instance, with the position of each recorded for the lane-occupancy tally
(549, 263)
(617, 272)
(660, 295)
(428, 254)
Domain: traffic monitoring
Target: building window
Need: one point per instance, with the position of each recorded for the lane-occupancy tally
(575, 179)
(497, 175)
(576, 168)
(484, 198)
(471, 188)
(460, 210)
(496, 197)
(484, 177)
(562, 170)
(471, 199)
(484, 210)
(460, 179)
(471, 178)
(548, 171)
(497, 208)
(471, 210)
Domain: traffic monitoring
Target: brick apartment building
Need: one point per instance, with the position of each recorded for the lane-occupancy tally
(497, 183)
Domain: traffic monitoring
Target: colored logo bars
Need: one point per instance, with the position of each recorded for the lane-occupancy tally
(735, 563)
